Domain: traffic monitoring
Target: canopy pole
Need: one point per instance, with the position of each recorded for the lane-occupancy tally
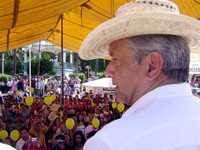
(14, 63)
(64, 57)
(2, 63)
(62, 64)
(71, 58)
(39, 57)
(29, 50)
(25, 61)
(97, 65)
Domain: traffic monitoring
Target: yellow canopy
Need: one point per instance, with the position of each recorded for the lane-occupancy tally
(25, 21)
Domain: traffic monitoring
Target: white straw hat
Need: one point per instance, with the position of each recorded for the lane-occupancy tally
(141, 18)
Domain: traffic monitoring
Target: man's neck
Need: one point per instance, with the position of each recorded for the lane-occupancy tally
(153, 85)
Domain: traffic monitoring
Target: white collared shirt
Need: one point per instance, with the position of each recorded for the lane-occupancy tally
(167, 118)
(6, 147)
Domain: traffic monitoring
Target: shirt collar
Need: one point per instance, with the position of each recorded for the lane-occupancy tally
(170, 90)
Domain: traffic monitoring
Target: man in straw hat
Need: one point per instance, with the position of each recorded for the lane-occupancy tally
(149, 45)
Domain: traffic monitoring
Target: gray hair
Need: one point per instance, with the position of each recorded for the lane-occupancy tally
(173, 49)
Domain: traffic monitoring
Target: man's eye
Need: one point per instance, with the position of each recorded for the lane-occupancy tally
(114, 59)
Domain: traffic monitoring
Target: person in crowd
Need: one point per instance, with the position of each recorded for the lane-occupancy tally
(24, 115)
(20, 85)
(61, 143)
(39, 87)
(33, 144)
(25, 138)
(78, 140)
(38, 130)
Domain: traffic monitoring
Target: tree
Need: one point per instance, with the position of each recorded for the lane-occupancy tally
(46, 64)
(9, 62)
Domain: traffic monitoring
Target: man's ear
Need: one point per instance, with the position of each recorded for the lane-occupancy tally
(154, 64)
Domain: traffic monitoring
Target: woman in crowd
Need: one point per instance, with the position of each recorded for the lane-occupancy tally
(78, 140)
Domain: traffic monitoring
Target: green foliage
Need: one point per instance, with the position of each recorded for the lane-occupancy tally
(98, 65)
(82, 76)
(101, 74)
(9, 62)
(4, 77)
(46, 64)
(79, 75)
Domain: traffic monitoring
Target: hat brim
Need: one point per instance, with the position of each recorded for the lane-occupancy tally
(96, 44)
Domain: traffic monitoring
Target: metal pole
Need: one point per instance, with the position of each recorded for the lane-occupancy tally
(3, 63)
(104, 64)
(14, 63)
(62, 64)
(39, 57)
(25, 61)
(30, 70)
(64, 57)
(71, 58)
(97, 65)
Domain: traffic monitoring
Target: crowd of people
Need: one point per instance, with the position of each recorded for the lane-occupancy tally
(41, 85)
(43, 126)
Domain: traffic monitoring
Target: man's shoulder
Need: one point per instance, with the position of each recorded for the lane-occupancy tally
(110, 136)
(119, 135)
(110, 129)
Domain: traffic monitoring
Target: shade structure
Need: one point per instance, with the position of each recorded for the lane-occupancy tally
(99, 83)
(25, 21)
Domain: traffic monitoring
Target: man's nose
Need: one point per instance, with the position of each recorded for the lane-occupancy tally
(109, 70)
